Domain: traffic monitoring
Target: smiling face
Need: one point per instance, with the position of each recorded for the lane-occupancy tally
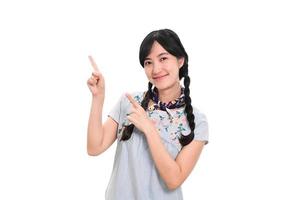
(162, 68)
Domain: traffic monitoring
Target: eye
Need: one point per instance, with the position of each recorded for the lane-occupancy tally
(163, 58)
(147, 63)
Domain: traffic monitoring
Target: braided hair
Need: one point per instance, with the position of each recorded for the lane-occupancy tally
(170, 41)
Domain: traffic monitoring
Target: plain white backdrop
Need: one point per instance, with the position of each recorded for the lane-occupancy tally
(244, 69)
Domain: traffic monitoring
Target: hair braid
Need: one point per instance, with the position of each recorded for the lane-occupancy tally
(185, 140)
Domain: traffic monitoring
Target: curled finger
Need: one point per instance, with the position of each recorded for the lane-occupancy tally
(90, 82)
(96, 74)
(94, 80)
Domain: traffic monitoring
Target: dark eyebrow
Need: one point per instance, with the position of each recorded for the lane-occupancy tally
(163, 53)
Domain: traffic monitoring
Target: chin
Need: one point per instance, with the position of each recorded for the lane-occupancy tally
(161, 86)
(164, 84)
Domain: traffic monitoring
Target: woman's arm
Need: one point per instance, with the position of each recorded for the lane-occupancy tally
(173, 172)
(95, 129)
(100, 136)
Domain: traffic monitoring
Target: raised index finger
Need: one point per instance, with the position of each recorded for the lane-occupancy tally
(132, 101)
(93, 63)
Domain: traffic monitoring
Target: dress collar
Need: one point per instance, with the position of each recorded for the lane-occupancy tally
(158, 105)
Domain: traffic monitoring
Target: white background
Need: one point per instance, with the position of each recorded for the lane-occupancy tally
(244, 61)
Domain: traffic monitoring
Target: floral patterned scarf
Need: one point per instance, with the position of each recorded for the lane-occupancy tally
(158, 105)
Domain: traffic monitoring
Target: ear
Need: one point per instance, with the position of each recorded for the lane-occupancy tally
(181, 62)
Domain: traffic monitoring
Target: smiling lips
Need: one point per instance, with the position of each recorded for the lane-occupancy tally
(159, 77)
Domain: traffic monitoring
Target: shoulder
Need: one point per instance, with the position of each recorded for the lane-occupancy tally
(199, 115)
(201, 125)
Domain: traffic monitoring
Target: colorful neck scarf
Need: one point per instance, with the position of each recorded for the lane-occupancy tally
(177, 103)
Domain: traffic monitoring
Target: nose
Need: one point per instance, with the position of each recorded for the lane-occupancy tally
(156, 68)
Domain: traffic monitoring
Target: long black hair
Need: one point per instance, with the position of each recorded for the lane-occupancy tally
(170, 41)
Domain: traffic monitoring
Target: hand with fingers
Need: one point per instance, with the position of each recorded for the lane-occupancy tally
(139, 117)
(96, 82)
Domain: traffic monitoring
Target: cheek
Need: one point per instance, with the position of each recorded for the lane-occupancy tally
(175, 75)
(148, 73)
(173, 69)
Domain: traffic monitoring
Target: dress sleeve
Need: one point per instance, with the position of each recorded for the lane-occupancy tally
(201, 126)
(116, 112)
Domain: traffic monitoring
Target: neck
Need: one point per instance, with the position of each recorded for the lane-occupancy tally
(169, 94)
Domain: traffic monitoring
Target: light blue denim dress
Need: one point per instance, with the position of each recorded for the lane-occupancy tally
(134, 175)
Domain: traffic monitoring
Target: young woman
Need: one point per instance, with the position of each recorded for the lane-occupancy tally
(160, 135)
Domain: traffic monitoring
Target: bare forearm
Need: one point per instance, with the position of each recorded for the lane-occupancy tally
(95, 131)
(166, 165)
